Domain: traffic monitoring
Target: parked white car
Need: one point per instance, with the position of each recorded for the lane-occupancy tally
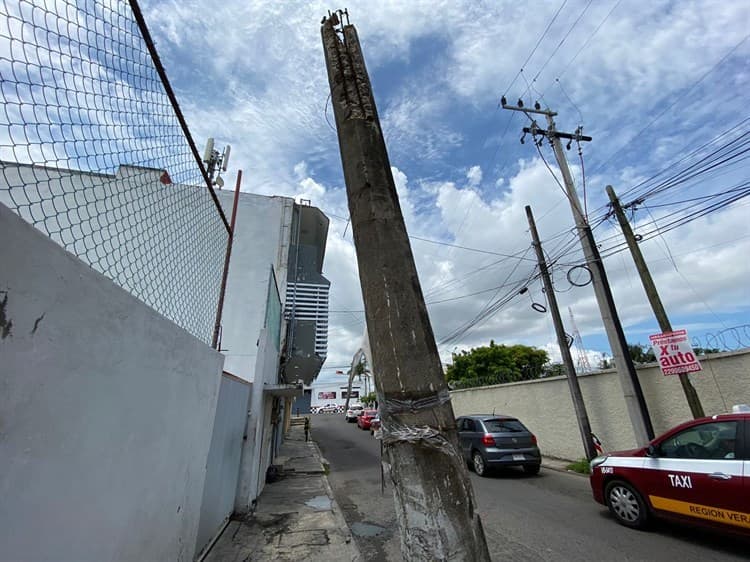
(354, 411)
(329, 409)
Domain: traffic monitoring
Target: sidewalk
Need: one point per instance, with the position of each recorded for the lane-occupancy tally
(296, 517)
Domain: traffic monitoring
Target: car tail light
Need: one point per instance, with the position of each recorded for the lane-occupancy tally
(533, 439)
(487, 439)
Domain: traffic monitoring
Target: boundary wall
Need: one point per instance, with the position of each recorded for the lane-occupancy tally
(106, 413)
(545, 405)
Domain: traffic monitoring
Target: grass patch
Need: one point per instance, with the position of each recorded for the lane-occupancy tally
(581, 466)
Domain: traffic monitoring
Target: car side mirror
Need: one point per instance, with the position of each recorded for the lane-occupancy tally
(652, 451)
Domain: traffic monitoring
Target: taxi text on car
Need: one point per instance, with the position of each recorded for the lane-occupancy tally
(698, 471)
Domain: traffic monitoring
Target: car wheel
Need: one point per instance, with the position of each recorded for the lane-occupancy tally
(626, 504)
(531, 469)
(480, 467)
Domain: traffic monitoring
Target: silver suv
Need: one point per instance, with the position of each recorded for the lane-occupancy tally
(489, 441)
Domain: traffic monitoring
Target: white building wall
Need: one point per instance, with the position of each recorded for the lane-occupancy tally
(319, 391)
(163, 243)
(107, 410)
(223, 465)
(261, 242)
(256, 454)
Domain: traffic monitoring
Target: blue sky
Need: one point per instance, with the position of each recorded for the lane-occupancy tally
(649, 81)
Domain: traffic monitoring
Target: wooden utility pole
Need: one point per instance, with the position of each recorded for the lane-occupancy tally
(653, 296)
(575, 390)
(633, 394)
(435, 504)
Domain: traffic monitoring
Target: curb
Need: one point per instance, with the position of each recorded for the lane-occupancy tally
(335, 509)
(560, 465)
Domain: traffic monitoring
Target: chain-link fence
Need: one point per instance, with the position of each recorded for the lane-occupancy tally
(95, 153)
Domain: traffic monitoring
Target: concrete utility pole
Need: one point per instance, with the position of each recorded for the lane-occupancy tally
(575, 390)
(631, 386)
(435, 504)
(653, 297)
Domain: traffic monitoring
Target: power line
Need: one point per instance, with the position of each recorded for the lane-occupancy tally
(674, 102)
(560, 44)
(585, 44)
(539, 41)
(511, 256)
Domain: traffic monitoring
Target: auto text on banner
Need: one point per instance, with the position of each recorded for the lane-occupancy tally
(674, 353)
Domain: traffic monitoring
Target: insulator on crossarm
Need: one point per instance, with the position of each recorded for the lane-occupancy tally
(503, 101)
(520, 102)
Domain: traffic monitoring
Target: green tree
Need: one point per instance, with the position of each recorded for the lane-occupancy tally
(605, 362)
(369, 399)
(640, 353)
(498, 364)
(706, 350)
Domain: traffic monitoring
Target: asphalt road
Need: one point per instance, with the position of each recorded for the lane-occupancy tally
(547, 517)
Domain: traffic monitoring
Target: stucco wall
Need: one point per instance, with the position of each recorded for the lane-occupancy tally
(261, 241)
(256, 449)
(546, 407)
(106, 412)
(223, 466)
(165, 244)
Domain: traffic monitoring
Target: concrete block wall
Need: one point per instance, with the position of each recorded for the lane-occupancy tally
(106, 413)
(546, 407)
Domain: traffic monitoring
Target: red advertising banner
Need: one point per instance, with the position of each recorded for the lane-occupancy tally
(674, 353)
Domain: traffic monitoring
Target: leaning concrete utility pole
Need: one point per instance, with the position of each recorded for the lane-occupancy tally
(631, 386)
(575, 390)
(653, 296)
(435, 504)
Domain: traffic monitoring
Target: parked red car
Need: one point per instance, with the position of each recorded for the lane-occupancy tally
(364, 420)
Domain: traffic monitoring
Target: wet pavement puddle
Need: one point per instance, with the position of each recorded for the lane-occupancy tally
(319, 502)
(366, 529)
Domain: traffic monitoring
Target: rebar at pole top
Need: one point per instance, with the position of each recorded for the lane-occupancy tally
(337, 17)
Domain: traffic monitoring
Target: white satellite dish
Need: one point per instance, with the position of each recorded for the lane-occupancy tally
(220, 182)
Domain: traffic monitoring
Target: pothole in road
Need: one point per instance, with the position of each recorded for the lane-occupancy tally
(366, 529)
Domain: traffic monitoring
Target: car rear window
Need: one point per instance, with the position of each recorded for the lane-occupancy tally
(371, 413)
(503, 426)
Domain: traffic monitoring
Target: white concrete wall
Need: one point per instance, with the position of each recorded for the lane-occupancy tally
(261, 242)
(546, 407)
(106, 412)
(223, 465)
(358, 385)
(255, 450)
(165, 244)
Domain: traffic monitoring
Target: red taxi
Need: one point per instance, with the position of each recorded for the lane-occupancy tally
(698, 471)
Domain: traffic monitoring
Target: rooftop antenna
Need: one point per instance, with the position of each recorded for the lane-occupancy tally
(216, 162)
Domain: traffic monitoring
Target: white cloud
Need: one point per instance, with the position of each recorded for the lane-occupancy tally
(252, 74)
(474, 175)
